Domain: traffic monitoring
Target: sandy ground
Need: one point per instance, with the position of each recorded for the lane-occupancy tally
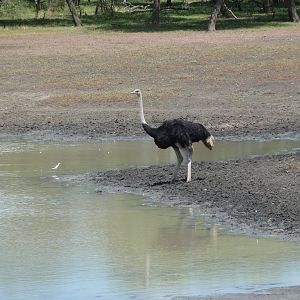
(76, 85)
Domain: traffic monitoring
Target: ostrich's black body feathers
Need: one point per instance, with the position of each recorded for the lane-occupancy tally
(196, 131)
(177, 131)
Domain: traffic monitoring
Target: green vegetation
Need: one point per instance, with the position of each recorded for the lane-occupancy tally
(182, 15)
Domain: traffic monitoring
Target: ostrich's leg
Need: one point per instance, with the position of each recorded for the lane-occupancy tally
(187, 154)
(179, 161)
(189, 167)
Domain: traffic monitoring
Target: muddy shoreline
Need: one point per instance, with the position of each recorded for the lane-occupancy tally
(286, 293)
(258, 196)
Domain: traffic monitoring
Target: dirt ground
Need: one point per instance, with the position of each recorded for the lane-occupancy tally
(76, 85)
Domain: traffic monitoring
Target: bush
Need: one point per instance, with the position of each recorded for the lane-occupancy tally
(13, 8)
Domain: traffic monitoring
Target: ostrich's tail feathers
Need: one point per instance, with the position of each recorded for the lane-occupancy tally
(209, 142)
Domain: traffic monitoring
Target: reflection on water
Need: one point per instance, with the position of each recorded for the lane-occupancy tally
(61, 241)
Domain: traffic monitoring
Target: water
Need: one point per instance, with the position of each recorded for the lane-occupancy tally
(63, 241)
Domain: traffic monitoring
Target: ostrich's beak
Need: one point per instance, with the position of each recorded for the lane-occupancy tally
(132, 92)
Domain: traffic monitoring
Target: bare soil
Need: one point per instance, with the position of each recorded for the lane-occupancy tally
(76, 84)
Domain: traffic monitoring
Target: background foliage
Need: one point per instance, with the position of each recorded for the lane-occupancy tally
(114, 15)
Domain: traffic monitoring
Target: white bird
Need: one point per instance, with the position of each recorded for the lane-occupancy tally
(54, 168)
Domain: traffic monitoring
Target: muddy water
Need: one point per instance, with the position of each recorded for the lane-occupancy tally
(63, 241)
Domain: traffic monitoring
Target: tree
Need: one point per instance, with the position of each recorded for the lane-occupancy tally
(74, 14)
(105, 6)
(267, 6)
(156, 11)
(292, 12)
(37, 7)
(219, 6)
(214, 15)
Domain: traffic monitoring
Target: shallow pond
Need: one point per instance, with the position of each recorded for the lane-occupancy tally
(64, 241)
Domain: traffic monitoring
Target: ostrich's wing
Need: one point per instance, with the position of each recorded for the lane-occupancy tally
(196, 131)
(160, 135)
(180, 135)
(176, 133)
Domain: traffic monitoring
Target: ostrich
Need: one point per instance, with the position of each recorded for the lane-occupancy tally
(178, 134)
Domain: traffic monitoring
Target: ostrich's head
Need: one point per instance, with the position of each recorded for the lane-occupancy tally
(137, 92)
(209, 142)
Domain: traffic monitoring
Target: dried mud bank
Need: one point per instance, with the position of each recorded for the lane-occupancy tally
(286, 293)
(259, 196)
(98, 125)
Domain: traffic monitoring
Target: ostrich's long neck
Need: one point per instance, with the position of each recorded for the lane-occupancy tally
(151, 131)
(142, 110)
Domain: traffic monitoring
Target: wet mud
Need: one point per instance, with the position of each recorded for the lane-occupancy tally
(258, 196)
(288, 293)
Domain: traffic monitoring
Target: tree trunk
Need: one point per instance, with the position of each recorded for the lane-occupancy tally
(169, 3)
(214, 15)
(238, 4)
(97, 8)
(74, 14)
(228, 12)
(268, 6)
(112, 7)
(37, 7)
(292, 12)
(156, 11)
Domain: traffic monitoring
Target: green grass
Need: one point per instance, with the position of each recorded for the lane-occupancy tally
(182, 17)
